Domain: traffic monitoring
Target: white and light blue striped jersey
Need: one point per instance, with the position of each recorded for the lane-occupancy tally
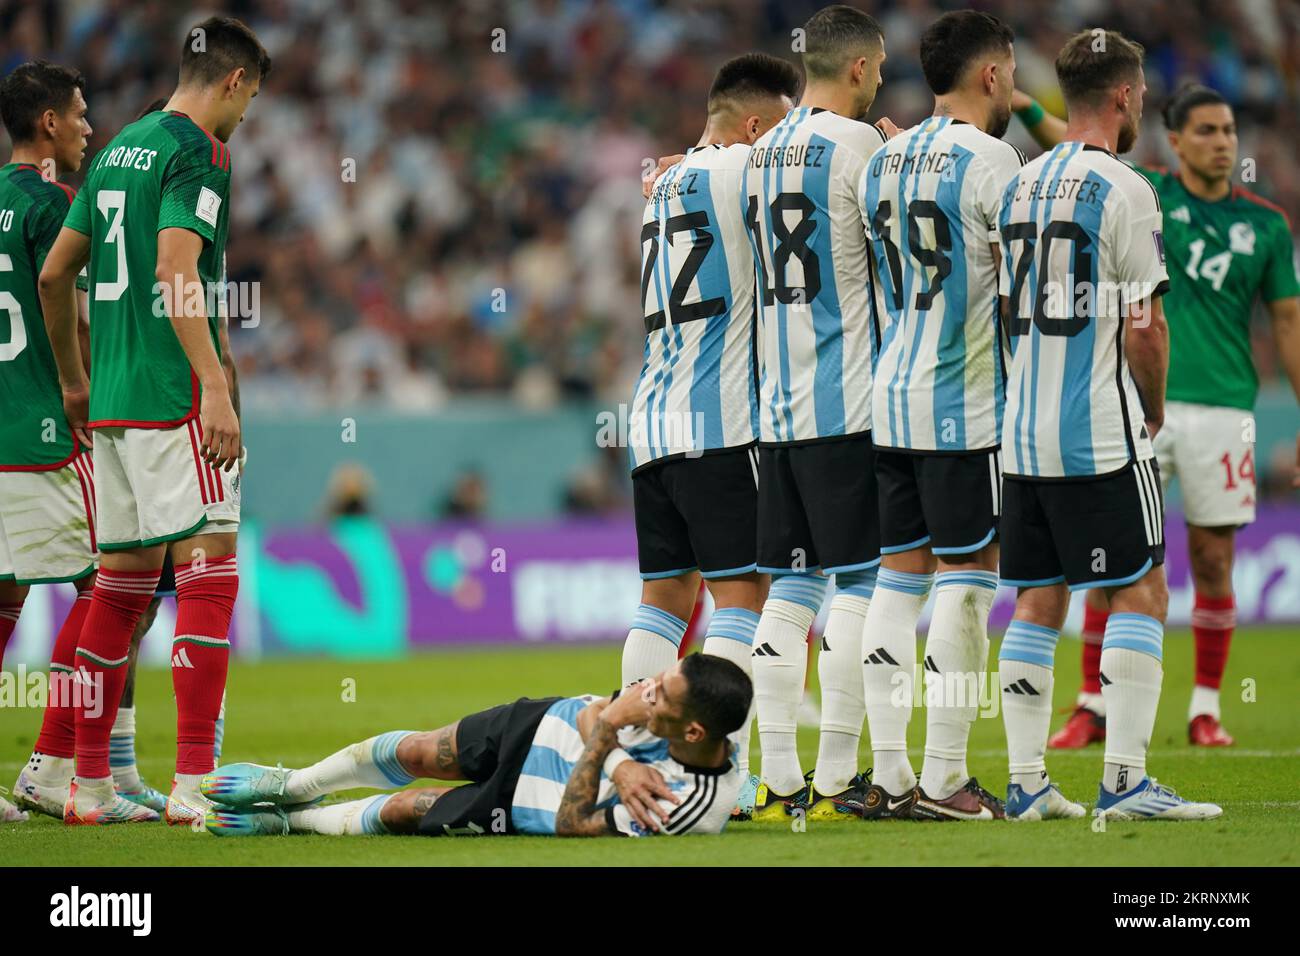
(1081, 243)
(929, 202)
(696, 391)
(707, 794)
(800, 198)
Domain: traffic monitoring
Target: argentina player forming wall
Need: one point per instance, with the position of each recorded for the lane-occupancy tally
(694, 416)
(817, 512)
(929, 202)
(1082, 275)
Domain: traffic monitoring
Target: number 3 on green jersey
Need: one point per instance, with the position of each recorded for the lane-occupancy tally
(162, 171)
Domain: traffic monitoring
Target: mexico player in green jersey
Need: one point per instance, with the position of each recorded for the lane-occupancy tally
(1226, 248)
(46, 494)
(47, 522)
(150, 223)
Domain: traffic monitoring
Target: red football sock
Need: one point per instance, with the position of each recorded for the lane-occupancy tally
(58, 736)
(205, 601)
(1212, 622)
(120, 597)
(8, 621)
(1094, 629)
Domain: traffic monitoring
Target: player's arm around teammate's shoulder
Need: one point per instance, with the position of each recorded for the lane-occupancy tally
(57, 286)
(1046, 129)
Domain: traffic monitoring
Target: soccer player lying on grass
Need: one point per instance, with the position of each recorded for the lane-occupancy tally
(654, 758)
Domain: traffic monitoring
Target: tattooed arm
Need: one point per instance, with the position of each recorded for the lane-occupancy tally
(578, 815)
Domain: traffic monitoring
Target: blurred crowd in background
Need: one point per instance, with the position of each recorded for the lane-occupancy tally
(442, 198)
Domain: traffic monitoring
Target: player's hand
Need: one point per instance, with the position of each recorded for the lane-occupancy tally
(640, 789)
(1154, 425)
(888, 127)
(1020, 101)
(221, 444)
(632, 707)
(76, 406)
(665, 163)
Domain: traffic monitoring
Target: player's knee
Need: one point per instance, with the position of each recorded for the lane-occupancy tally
(416, 751)
(401, 812)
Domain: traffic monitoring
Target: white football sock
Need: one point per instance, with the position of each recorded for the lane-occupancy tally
(370, 763)
(1093, 702)
(889, 670)
(121, 750)
(839, 670)
(652, 643)
(1025, 672)
(731, 635)
(956, 655)
(1130, 681)
(780, 665)
(1205, 700)
(353, 818)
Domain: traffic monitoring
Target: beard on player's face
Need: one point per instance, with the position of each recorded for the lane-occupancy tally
(1127, 135)
(999, 120)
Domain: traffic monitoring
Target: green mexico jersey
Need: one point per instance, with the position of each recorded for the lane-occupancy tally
(161, 172)
(1221, 256)
(34, 433)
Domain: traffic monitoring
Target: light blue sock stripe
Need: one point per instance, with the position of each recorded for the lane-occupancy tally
(658, 621)
(383, 753)
(1030, 643)
(218, 738)
(121, 750)
(858, 583)
(371, 824)
(904, 581)
(1136, 632)
(978, 579)
(808, 590)
(737, 623)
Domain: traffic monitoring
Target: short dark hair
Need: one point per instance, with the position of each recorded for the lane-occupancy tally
(1185, 99)
(753, 75)
(718, 693)
(833, 36)
(153, 107)
(227, 44)
(1093, 62)
(956, 40)
(30, 90)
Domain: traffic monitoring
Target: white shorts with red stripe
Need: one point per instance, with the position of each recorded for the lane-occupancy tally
(152, 486)
(47, 523)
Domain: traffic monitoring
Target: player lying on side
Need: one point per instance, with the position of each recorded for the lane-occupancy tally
(654, 758)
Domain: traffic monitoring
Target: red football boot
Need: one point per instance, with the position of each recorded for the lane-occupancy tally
(1083, 728)
(1206, 731)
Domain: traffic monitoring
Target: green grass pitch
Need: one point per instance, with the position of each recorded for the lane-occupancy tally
(294, 711)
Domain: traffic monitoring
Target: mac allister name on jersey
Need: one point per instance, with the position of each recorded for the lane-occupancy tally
(1081, 247)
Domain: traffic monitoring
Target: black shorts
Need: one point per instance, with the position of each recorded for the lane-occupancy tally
(817, 506)
(697, 513)
(948, 501)
(1088, 533)
(491, 747)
